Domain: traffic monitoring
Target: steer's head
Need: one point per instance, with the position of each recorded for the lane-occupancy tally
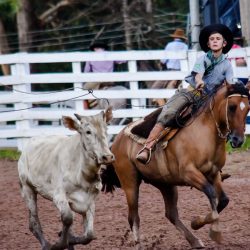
(93, 135)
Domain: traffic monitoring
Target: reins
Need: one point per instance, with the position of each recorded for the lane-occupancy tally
(228, 130)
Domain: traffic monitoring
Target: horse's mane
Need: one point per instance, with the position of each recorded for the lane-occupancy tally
(238, 88)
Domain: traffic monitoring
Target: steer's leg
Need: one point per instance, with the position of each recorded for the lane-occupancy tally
(30, 198)
(170, 196)
(66, 218)
(88, 219)
(89, 222)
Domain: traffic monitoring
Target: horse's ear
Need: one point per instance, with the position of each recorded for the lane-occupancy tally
(248, 85)
(108, 114)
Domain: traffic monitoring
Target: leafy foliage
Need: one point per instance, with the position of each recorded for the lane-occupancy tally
(9, 154)
(73, 25)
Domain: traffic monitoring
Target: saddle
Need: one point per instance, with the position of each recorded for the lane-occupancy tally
(139, 130)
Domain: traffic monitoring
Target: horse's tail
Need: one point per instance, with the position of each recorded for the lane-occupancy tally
(109, 179)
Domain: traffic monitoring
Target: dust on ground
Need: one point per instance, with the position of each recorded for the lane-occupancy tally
(111, 226)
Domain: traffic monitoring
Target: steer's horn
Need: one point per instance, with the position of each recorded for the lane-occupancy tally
(78, 117)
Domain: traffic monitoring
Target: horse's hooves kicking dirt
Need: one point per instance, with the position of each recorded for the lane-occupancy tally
(196, 223)
(198, 244)
(215, 236)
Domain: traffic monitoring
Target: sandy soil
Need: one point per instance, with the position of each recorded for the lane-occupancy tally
(111, 224)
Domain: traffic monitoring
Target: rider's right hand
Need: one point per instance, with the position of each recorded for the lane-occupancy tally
(200, 85)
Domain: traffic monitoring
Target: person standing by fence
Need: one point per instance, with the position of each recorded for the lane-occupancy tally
(178, 44)
(98, 67)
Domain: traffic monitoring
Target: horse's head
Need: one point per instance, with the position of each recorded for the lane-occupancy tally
(233, 110)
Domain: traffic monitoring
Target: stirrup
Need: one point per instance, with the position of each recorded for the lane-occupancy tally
(149, 156)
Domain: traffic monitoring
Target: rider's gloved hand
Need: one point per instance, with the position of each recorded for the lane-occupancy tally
(200, 85)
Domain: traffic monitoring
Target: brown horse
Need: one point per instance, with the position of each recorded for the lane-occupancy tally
(193, 157)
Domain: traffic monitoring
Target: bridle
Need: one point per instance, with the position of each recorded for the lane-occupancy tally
(228, 130)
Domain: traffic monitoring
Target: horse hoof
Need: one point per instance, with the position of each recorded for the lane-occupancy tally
(198, 244)
(47, 246)
(215, 236)
(196, 223)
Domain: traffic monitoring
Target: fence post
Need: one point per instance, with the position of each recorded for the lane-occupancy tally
(191, 56)
(21, 70)
(184, 67)
(132, 68)
(248, 61)
(79, 107)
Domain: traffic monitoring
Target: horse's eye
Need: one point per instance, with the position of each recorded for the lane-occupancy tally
(88, 132)
(232, 108)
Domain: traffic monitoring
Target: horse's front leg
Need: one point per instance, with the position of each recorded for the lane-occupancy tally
(196, 179)
(223, 199)
(223, 202)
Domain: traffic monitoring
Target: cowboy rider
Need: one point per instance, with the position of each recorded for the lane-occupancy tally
(210, 70)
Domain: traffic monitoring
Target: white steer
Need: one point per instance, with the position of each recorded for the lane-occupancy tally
(65, 170)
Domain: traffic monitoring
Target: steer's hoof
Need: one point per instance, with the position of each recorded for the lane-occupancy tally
(215, 236)
(86, 240)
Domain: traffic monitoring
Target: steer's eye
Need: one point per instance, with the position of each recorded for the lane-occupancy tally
(88, 132)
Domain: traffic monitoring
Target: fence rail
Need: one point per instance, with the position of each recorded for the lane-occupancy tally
(19, 120)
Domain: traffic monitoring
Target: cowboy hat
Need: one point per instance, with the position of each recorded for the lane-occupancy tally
(213, 28)
(98, 45)
(179, 33)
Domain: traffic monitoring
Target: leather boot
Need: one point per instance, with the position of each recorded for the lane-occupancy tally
(144, 155)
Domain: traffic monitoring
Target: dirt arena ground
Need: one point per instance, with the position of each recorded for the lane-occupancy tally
(111, 224)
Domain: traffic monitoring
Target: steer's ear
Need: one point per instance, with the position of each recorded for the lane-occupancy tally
(69, 123)
(108, 115)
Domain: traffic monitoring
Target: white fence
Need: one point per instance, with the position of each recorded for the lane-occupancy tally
(19, 122)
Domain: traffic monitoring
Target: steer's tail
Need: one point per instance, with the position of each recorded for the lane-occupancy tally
(109, 179)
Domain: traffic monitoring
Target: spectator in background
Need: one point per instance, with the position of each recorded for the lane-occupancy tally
(178, 43)
(240, 61)
(100, 67)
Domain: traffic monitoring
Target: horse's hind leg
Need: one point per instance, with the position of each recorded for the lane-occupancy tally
(30, 198)
(170, 196)
(130, 183)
